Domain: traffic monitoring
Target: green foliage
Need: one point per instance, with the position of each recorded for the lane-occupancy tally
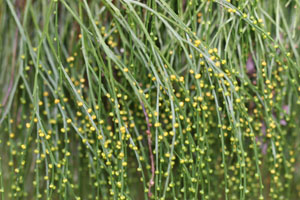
(149, 99)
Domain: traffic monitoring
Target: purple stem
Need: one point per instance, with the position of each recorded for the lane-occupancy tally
(151, 182)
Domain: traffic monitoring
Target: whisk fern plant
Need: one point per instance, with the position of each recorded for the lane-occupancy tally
(156, 99)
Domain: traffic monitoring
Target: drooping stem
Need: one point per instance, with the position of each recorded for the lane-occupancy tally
(12, 74)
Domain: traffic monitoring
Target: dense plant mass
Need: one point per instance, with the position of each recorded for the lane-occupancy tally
(152, 99)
